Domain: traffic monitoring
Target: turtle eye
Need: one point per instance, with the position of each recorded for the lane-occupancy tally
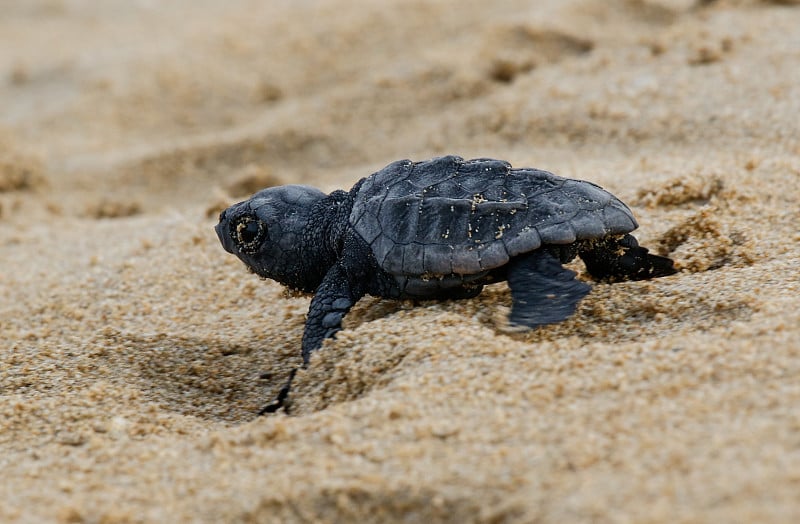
(249, 233)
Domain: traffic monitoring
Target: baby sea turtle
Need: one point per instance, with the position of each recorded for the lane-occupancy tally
(438, 229)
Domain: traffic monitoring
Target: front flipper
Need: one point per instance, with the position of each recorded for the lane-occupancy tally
(542, 290)
(334, 297)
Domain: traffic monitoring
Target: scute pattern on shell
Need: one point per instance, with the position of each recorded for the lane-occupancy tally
(454, 216)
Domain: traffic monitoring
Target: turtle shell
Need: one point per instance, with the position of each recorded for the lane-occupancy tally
(450, 216)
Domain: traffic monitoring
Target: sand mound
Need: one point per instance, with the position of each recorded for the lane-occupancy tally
(19, 170)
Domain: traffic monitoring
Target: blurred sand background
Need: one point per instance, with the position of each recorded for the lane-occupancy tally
(132, 344)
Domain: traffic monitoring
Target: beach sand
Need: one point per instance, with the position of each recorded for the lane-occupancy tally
(136, 352)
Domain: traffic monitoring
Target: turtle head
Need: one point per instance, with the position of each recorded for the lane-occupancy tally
(267, 231)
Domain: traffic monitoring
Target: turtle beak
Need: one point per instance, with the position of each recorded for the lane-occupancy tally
(222, 232)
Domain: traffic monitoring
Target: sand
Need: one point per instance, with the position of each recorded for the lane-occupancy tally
(134, 349)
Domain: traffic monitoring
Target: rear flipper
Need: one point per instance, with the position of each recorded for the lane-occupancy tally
(617, 259)
(542, 290)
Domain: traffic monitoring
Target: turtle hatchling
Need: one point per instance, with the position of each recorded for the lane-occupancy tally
(438, 229)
